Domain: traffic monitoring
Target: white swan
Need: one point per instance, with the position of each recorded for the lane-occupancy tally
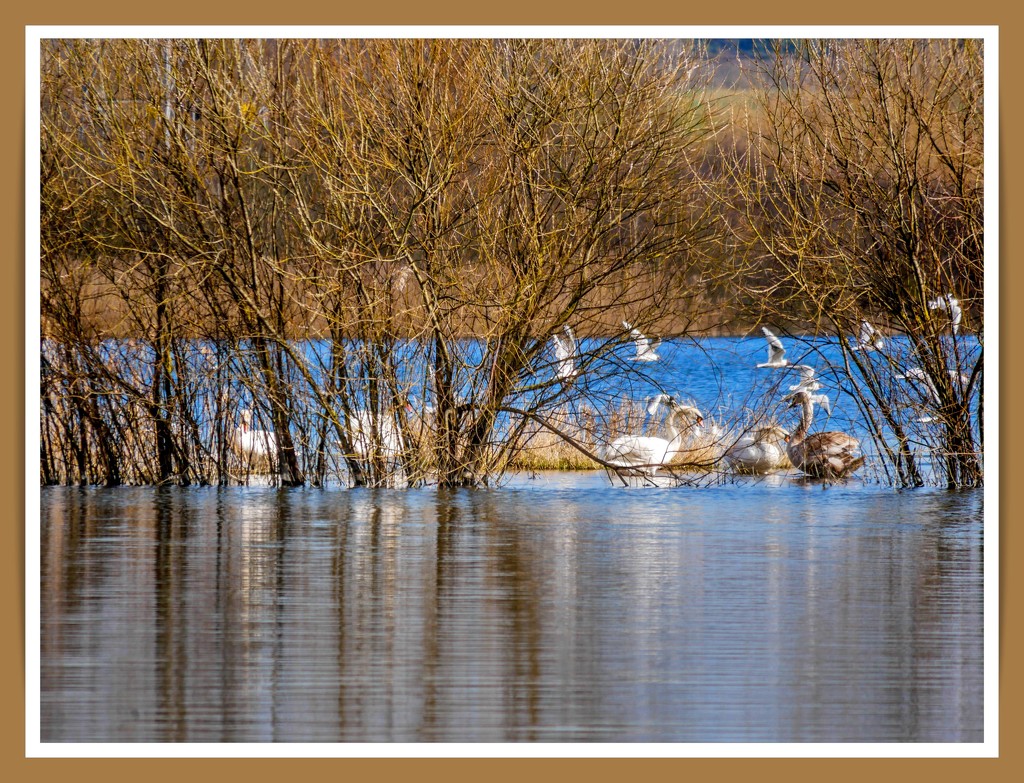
(253, 444)
(650, 453)
(823, 454)
(759, 450)
(951, 305)
(371, 434)
(645, 348)
(776, 351)
(565, 353)
(868, 339)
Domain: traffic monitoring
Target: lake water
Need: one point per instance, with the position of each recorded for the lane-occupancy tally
(554, 608)
(717, 374)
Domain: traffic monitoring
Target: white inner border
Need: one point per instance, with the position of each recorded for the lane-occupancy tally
(988, 748)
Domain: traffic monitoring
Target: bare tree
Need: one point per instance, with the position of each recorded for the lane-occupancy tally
(862, 196)
(499, 190)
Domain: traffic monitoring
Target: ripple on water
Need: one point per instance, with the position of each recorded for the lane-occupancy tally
(555, 608)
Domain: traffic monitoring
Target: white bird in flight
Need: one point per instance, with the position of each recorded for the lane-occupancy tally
(645, 349)
(921, 380)
(565, 353)
(823, 401)
(868, 339)
(961, 377)
(654, 403)
(816, 399)
(807, 380)
(776, 351)
(951, 305)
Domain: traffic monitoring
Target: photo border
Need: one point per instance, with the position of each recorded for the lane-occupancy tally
(993, 294)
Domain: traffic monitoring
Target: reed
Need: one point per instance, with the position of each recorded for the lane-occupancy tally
(703, 450)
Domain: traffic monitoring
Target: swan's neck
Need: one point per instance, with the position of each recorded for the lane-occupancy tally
(674, 428)
(806, 414)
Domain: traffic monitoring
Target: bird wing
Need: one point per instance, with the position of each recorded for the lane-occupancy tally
(806, 373)
(823, 401)
(636, 334)
(951, 305)
(656, 401)
(635, 450)
(643, 344)
(913, 374)
(956, 375)
(956, 313)
(866, 333)
(832, 444)
(776, 350)
(920, 378)
(563, 350)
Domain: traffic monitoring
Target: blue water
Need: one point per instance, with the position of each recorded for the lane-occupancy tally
(551, 607)
(554, 608)
(719, 375)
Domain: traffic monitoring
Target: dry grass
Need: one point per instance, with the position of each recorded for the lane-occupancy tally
(705, 449)
(546, 450)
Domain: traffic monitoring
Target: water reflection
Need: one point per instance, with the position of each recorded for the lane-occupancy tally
(558, 609)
